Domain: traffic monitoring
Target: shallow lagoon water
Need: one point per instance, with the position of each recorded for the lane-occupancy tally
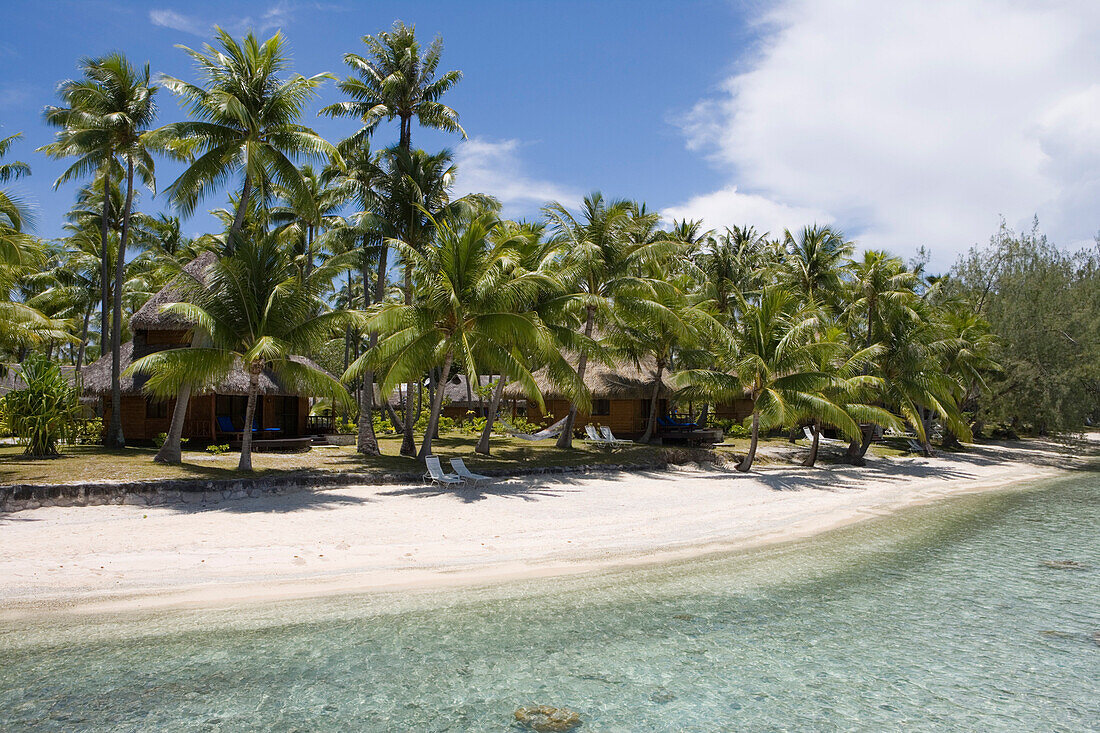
(943, 617)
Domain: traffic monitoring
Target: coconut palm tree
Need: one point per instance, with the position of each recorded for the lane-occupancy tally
(258, 312)
(603, 264)
(468, 309)
(108, 112)
(814, 263)
(771, 366)
(244, 122)
(395, 80)
(16, 169)
(307, 213)
(969, 343)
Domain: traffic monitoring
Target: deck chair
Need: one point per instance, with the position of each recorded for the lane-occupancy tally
(435, 473)
(257, 429)
(821, 437)
(610, 437)
(594, 437)
(914, 445)
(465, 474)
(225, 427)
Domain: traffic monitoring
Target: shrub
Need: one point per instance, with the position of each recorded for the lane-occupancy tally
(44, 412)
(217, 450)
(733, 428)
(159, 439)
(89, 431)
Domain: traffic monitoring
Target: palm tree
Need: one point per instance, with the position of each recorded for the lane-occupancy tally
(245, 121)
(108, 112)
(16, 169)
(468, 309)
(815, 263)
(602, 266)
(396, 81)
(847, 384)
(969, 343)
(363, 180)
(771, 366)
(257, 310)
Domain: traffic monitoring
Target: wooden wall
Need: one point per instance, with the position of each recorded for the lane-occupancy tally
(735, 410)
(624, 417)
(199, 421)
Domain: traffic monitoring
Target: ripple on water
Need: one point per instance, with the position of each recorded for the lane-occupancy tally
(942, 618)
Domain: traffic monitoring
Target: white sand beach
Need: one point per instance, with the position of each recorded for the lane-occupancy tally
(365, 538)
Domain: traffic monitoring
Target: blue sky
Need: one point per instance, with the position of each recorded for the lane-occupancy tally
(904, 124)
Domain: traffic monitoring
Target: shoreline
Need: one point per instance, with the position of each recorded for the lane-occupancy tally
(385, 538)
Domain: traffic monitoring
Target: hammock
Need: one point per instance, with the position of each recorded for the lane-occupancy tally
(550, 432)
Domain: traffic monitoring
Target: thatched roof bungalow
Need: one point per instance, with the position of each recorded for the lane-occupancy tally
(281, 410)
(621, 396)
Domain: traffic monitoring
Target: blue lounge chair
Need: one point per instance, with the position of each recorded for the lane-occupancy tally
(225, 427)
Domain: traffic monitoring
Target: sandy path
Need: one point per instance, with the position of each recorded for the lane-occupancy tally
(384, 537)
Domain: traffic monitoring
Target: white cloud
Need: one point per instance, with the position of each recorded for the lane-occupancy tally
(274, 18)
(179, 21)
(495, 168)
(914, 122)
(729, 206)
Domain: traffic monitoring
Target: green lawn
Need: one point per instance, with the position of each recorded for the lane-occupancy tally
(94, 463)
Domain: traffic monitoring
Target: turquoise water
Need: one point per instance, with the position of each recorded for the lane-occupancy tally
(941, 618)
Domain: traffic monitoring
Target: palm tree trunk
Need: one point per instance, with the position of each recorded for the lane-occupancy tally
(367, 442)
(245, 463)
(104, 268)
(651, 423)
(494, 405)
(242, 209)
(746, 463)
(433, 416)
(115, 438)
(83, 340)
(408, 442)
(704, 414)
(565, 440)
(812, 458)
(171, 452)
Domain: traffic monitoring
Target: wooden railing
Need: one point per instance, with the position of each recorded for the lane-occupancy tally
(320, 424)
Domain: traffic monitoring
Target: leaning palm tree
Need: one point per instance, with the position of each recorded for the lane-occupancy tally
(396, 81)
(468, 309)
(244, 122)
(771, 366)
(108, 112)
(258, 312)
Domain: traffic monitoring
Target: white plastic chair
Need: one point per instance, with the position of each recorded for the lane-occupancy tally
(610, 437)
(435, 473)
(466, 474)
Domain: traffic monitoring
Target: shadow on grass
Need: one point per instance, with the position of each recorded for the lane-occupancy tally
(275, 503)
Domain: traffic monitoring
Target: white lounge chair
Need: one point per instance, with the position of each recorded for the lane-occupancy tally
(466, 474)
(915, 445)
(435, 473)
(593, 436)
(821, 438)
(610, 437)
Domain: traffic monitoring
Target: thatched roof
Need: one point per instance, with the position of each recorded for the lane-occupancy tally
(151, 317)
(623, 382)
(97, 376)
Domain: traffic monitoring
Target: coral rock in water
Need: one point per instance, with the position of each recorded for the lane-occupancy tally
(545, 718)
(1065, 565)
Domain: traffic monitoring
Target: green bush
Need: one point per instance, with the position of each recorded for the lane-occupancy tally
(44, 412)
(89, 431)
(217, 450)
(733, 428)
(159, 439)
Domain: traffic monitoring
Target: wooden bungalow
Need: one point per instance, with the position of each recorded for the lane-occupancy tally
(280, 411)
(621, 397)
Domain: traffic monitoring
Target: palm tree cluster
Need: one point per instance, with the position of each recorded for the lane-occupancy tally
(360, 256)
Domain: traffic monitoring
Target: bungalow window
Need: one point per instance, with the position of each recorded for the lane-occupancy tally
(156, 409)
(601, 407)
